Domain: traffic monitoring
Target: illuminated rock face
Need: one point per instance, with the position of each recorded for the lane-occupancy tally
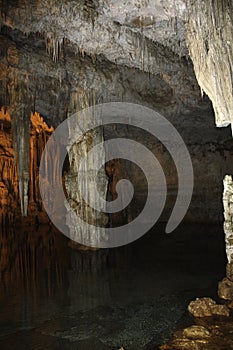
(225, 289)
(8, 170)
(228, 215)
(209, 34)
(80, 181)
(10, 180)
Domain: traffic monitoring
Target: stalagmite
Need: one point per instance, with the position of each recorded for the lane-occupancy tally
(209, 35)
(226, 285)
(228, 216)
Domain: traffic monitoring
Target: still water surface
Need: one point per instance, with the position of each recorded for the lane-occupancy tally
(53, 296)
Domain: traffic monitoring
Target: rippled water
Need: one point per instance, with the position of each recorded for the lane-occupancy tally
(53, 296)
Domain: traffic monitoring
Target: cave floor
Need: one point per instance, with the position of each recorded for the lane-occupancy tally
(54, 296)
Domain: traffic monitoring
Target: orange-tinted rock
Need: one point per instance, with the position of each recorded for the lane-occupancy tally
(196, 332)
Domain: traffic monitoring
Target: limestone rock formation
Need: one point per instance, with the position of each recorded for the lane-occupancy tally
(80, 181)
(228, 216)
(209, 33)
(10, 181)
(225, 289)
(206, 307)
(196, 332)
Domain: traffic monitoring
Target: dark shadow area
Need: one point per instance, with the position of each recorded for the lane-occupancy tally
(53, 296)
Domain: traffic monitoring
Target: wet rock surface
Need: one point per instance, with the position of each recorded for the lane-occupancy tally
(210, 333)
(196, 332)
(225, 289)
(205, 307)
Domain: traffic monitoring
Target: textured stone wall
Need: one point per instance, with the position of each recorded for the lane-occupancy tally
(228, 216)
(209, 34)
(211, 161)
(74, 185)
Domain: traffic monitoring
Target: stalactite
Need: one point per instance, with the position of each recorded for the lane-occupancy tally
(21, 131)
(8, 173)
(20, 109)
(13, 176)
(81, 99)
(53, 46)
(40, 132)
(89, 9)
(209, 34)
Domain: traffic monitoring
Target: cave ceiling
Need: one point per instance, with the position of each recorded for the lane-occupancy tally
(59, 56)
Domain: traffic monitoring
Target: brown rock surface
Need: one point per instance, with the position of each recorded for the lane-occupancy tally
(196, 332)
(205, 307)
(225, 289)
(209, 333)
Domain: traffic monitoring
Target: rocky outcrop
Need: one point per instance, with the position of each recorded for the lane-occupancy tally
(212, 331)
(206, 307)
(196, 332)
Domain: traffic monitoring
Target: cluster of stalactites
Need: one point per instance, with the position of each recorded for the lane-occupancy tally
(54, 47)
(209, 35)
(20, 110)
(10, 186)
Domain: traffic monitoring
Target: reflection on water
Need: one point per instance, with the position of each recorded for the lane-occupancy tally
(53, 296)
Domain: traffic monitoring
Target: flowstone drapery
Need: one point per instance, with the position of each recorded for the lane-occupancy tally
(209, 37)
(91, 221)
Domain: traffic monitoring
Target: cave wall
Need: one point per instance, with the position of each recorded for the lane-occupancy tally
(209, 34)
(10, 204)
(211, 160)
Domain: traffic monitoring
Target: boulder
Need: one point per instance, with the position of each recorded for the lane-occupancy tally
(196, 332)
(225, 289)
(205, 307)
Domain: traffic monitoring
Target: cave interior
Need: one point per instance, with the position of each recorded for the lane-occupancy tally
(171, 59)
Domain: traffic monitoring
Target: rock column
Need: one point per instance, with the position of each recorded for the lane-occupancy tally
(226, 285)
